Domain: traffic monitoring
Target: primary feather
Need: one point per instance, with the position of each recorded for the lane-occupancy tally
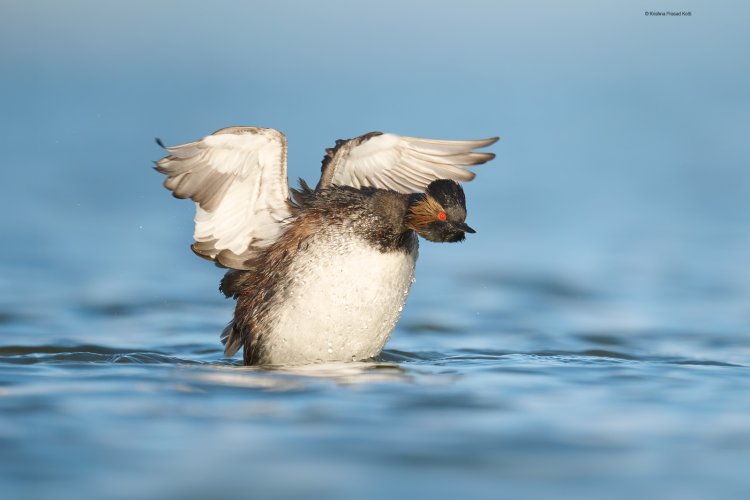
(400, 163)
(237, 179)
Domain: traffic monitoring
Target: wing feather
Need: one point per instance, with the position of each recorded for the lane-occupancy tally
(238, 181)
(400, 163)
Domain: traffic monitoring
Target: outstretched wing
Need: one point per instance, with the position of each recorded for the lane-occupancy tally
(237, 179)
(400, 163)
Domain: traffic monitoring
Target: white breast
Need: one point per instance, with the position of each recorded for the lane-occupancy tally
(342, 303)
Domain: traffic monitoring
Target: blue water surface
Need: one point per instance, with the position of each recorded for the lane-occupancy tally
(592, 340)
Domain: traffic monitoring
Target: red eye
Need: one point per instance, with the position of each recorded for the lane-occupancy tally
(441, 216)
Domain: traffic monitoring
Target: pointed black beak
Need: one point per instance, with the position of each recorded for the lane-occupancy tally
(465, 228)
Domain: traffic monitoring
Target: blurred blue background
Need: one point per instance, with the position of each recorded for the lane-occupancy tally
(616, 127)
(621, 177)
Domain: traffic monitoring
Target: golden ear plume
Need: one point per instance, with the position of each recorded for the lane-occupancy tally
(423, 212)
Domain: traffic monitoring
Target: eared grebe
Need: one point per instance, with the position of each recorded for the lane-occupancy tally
(323, 274)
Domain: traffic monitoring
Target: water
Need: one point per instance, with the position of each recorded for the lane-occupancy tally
(591, 340)
(531, 384)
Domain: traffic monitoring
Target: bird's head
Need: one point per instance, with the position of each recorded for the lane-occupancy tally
(439, 214)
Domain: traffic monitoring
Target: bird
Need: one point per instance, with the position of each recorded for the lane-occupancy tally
(319, 274)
